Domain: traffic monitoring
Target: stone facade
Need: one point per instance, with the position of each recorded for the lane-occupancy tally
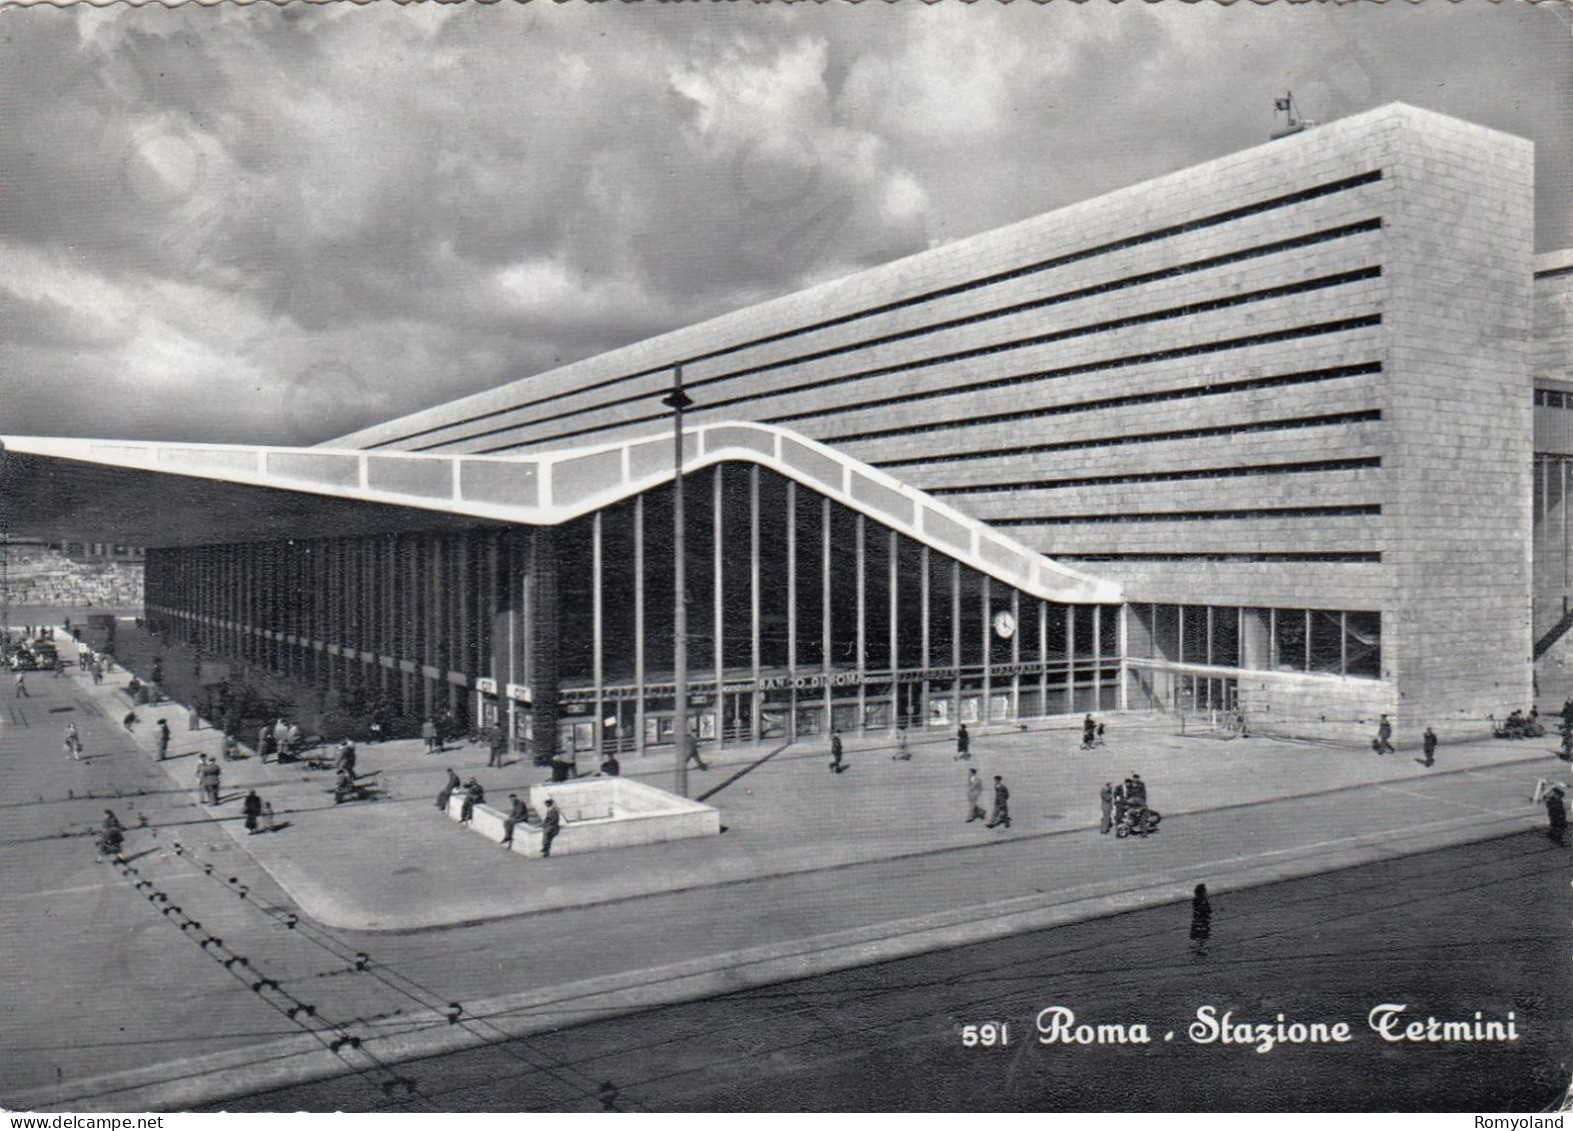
(1297, 376)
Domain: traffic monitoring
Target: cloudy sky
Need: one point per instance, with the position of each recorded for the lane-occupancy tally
(276, 225)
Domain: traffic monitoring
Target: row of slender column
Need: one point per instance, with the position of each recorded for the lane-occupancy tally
(415, 617)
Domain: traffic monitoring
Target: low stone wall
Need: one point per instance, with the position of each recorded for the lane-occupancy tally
(598, 814)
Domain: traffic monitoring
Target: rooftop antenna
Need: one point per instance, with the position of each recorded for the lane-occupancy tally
(1286, 107)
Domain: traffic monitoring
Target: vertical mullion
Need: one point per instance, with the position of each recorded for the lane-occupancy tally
(639, 675)
(716, 525)
(597, 577)
(756, 705)
(859, 533)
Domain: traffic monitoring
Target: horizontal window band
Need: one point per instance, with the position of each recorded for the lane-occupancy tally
(1350, 557)
(1355, 463)
(1359, 416)
(1313, 330)
(1228, 216)
(1345, 511)
(1212, 389)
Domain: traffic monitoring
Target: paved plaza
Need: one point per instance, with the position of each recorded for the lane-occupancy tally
(383, 916)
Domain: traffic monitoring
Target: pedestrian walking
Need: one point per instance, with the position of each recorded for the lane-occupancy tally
(1106, 803)
(1201, 921)
(130, 720)
(73, 742)
(429, 733)
(693, 753)
(551, 824)
(98, 673)
(1428, 746)
(1001, 814)
(835, 752)
(1099, 741)
(974, 796)
(1120, 804)
(1089, 732)
(265, 743)
(252, 807)
(498, 742)
(21, 686)
(209, 773)
(963, 744)
(1383, 743)
(903, 751)
(163, 741)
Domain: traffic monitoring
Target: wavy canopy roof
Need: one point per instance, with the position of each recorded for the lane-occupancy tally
(164, 494)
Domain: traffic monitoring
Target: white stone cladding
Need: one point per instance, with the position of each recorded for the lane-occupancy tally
(1297, 376)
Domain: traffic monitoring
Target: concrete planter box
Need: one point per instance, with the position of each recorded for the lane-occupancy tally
(599, 813)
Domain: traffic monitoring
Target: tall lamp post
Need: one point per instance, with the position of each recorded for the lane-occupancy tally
(677, 401)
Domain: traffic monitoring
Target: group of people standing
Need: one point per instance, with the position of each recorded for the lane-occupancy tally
(1117, 801)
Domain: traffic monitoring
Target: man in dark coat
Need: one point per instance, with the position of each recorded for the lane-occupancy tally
(517, 811)
(1557, 814)
(473, 796)
(1201, 921)
(448, 790)
(1106, 802)
(1001, 804)
(163, 740)
(835, 751)
(963, 744)
(1384, 736)
(1089, 732)
(252, 808)
(551, 825)
(1428, 746)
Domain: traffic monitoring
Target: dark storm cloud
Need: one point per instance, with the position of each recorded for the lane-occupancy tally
(248, 223)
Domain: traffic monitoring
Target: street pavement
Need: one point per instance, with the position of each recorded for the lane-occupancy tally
(355, 937)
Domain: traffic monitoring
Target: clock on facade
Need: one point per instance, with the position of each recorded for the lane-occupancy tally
(1004, 624)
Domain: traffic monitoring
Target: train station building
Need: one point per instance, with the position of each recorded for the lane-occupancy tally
(1288, 432)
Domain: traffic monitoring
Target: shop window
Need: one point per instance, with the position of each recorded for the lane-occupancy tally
(1193, 634)
(1056, 633)
(1327, 641)
(1166, 632)
(973, 613)
(1084, 617)
(909, 604)
(876, 597)
(941, 572)
(1226, 637)
(1109, 618)
(1289, 635)
(1363, 639)
(843, 588)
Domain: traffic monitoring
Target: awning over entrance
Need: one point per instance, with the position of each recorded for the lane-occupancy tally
(176, 494)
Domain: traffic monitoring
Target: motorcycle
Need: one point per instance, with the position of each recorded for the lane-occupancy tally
(1138, 821)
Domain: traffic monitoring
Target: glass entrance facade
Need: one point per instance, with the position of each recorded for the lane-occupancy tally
(804, 615)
